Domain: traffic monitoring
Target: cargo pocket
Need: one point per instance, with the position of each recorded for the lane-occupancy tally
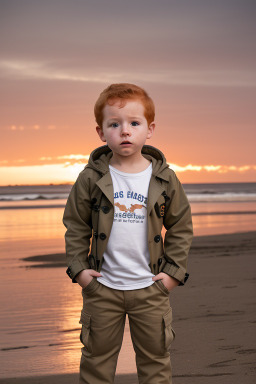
(168, 331)
(85, 320)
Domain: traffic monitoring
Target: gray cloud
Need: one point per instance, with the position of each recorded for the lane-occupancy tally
(114, 34)
(48, 71)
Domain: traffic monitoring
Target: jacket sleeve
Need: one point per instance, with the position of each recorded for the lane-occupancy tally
(179, 232)
(77, 220)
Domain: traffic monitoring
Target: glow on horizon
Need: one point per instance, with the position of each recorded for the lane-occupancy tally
(67, 172)
(40, 174)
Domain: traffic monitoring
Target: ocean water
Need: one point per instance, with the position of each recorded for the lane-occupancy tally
(40, 307)
(216, 208)
(221, 192)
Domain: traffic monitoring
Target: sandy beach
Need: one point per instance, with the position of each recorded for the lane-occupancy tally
(214, 315)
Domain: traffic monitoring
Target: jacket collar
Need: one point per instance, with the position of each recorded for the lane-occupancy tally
(100, 157)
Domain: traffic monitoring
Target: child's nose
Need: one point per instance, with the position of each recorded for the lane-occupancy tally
(125, 130)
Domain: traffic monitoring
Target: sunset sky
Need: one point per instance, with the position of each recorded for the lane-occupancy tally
(196, 59)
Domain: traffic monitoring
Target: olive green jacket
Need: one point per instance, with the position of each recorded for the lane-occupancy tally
(89, 215)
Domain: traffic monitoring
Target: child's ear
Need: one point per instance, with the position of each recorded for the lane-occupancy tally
(151, 129)
(100, 133)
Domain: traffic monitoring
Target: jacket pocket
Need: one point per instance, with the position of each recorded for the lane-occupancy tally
(85, 320)
(168, 331)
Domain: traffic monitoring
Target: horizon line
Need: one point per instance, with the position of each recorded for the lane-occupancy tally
(72, 183)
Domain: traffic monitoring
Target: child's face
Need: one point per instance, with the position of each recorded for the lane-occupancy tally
(125, 129)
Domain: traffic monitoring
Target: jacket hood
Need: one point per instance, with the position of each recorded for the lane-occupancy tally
(100, 157)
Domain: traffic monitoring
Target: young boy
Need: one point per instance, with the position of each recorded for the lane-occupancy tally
(122, 199)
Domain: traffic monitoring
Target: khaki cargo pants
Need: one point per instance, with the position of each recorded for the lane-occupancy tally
(103, 319)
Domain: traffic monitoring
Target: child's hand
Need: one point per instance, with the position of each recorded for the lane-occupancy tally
(86, 276)
(168, 281)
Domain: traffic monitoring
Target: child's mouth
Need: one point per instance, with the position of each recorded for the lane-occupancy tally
(126, 143)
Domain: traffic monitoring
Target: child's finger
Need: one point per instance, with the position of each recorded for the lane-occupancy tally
(157, 277)
(95, 273)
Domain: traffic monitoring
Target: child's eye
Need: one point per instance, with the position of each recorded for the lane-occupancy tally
(135, 123)
(114, 125)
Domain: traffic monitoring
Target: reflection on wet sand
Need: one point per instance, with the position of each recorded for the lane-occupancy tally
(40, 307)
(41, 310)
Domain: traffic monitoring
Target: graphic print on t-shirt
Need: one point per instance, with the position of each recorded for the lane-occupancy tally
(126, 258)
(127, 207)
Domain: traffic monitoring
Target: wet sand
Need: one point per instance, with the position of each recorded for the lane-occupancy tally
(214, 315)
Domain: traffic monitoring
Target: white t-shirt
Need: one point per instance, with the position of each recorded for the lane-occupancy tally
(126, 259)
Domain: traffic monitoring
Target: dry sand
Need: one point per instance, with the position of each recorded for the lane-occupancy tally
(214, 316)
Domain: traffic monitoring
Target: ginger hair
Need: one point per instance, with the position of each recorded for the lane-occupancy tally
(123, 92)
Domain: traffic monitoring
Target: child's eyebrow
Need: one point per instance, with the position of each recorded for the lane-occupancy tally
(129, 117)
(113, 118)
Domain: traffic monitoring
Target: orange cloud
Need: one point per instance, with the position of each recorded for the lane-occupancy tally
(211, 168)
(76, 157)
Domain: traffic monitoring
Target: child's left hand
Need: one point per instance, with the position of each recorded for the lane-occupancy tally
(168, 281)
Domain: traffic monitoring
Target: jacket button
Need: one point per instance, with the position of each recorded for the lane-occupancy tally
(69, 273)
(105, 209)
(94, 200)
(157, 238)
(95, 207)
(102, 236)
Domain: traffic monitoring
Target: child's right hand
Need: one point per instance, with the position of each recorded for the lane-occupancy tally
(86, 276)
